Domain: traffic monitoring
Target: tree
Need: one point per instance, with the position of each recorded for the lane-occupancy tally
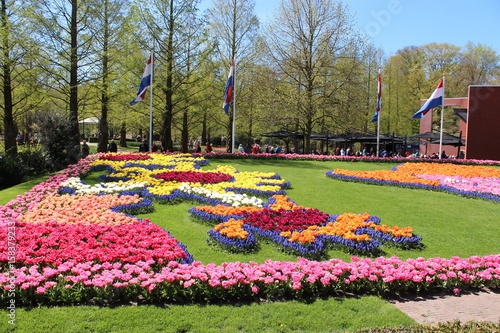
(406, 83)
(54, 130)
(479, 64)
(67, 56)
(234, 26)
(313, 46)
(173, 27)
(8, 119)
(110, 28)
(18, 74)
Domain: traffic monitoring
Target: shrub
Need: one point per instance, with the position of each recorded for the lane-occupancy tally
(12, 171)
(36, 161)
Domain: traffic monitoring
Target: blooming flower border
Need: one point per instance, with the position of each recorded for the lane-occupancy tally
(440, 187)
(148, 281)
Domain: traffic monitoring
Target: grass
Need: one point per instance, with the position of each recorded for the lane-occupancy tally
(450, 226)
(330, 315)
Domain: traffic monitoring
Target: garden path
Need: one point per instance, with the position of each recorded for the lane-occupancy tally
(475, 305)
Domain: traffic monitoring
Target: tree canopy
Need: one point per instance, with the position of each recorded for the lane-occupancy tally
(308, 71)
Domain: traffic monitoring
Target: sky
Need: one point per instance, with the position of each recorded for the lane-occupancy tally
(395, 24)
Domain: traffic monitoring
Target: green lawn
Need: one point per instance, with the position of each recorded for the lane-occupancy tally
(450, 226)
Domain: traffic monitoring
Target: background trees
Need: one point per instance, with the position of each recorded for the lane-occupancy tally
(307, 71)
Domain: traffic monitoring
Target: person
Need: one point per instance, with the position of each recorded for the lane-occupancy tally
(208, 148)
(144, 147)
(240, 149)
(85, 149)
(443, 154)
(19, 139)
(198, 148)
(255, 149)
(112, 147)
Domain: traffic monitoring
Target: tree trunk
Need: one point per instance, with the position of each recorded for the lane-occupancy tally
(250, 131)
(185, 132)
(123, 135)
(166, 137)
(103, 123)
(74, 142)
(204, 128)
(168, 115)
(8, 120)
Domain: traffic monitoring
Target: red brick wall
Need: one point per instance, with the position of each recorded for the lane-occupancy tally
(483, 123)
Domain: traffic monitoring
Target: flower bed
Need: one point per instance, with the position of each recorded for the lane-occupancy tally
(467, 180)
(143, 281)
(301, 231)
(80, 248)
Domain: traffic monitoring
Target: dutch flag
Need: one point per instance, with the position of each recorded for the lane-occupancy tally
(145, 82)
(228, 92)
(436, 99)
(379, 98)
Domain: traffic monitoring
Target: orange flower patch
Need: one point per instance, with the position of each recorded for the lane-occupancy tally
(283, 202)
(448, 169)
(387, 175)
(344, 226)
(232, 229)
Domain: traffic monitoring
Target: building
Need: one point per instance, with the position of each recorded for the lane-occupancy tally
(479, 115)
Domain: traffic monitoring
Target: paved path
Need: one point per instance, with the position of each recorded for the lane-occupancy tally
(476, 305)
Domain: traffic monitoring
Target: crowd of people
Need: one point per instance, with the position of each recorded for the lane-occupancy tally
(256, 148)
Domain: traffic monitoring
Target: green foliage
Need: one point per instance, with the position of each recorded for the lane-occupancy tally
(18, 168)
(12, 171)
(36, 161)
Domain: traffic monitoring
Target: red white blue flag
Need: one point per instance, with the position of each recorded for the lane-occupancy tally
(145, 82)
(228, 92)
(379, 98)
(436, 99)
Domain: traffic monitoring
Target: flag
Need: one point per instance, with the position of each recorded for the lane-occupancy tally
(145, 82)
(379, 97)
(228, 92)
(436, 99)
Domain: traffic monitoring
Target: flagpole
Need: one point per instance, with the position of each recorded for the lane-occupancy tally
(234, 106)
(379, 100)
(151, 104)
(441, 127)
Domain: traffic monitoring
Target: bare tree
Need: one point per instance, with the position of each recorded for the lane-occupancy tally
(234, 26)
(175, 29)
(314, 49)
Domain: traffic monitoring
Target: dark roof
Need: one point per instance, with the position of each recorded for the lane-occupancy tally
(461, 113)
(283, 134)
